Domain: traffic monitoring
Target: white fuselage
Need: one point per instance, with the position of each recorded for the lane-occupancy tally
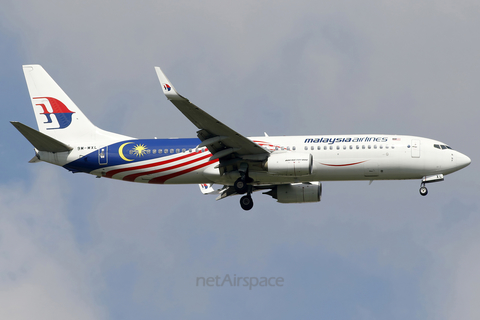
(335, 158)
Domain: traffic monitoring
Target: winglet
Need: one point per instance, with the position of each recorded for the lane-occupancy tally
(167, 86)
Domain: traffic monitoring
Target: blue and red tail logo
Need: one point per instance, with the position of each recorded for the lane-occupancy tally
(167, 87)
(59, 111)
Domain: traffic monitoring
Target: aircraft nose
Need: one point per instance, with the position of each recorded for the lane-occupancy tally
(463, 161)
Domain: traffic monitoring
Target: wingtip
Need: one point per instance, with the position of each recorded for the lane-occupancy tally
(167, 86)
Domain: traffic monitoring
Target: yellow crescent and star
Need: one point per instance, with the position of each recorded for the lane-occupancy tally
(139, 150)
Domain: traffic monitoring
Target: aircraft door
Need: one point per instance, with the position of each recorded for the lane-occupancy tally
(103, 155)
(415, 148)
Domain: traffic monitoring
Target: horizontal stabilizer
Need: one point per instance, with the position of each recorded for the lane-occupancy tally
(41, 141)
(207, 188)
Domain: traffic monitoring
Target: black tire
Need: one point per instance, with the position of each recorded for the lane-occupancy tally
(246, 202)
(240, 186)
(423, 191)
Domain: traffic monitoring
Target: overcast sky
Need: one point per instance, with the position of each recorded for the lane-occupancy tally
(76, 247)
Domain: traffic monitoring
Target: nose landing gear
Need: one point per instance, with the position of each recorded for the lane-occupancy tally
(429, 179)
(423, 189)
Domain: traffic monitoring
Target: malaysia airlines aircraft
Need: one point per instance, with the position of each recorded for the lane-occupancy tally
(288, 168)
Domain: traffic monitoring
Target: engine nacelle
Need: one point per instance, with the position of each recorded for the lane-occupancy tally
(290, 164)
(297, 193)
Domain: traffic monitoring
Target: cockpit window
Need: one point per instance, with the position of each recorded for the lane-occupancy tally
(441, 146)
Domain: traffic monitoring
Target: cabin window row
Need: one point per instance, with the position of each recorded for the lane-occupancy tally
(338, 147)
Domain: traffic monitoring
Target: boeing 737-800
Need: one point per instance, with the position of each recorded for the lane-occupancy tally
(288, 168)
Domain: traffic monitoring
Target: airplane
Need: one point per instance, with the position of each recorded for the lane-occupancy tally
(287, 168)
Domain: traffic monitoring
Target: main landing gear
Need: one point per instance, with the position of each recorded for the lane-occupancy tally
(241, 187)
(246, 202)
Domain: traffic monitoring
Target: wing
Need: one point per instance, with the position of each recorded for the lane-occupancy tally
(223, 142)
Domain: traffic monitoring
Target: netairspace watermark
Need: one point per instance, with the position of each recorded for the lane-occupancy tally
(240, 281)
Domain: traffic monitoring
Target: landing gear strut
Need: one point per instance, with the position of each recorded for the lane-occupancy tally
(240, 184)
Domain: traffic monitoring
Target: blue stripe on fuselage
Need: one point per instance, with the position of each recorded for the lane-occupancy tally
(130, 151)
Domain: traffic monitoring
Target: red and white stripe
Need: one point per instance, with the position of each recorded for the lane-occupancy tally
(162, 170)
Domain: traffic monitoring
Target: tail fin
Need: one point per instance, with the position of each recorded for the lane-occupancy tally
(56, 114)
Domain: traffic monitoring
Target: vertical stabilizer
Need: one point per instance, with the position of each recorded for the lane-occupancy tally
(56, 114)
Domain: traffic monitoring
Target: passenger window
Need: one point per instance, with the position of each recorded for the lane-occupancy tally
(160, 151)
(294, 148)
(344, 147)
(172, 151)
(154, 151)
(357, 146)
(386, 147)
(319, 148)
(375, 147)
(381, 147)
(288, 148)
(331, 147)
(363, 146)
(338, 147)
(276, 148)
(325, 148)
(306, 147)
(166, 150)
(312, 148)
(369, 147)
(183, 150)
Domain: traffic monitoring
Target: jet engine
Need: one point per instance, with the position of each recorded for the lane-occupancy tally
(289, 164)
(297, 193)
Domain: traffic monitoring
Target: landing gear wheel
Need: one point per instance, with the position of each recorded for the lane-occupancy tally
(246, 202)
(240, 186)
(423, 191)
